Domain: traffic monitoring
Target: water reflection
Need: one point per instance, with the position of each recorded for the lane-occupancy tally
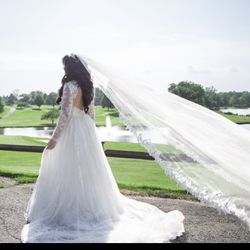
(43, 132)
(237, 111)
(105, 133)
(108, 122)
(114, 133)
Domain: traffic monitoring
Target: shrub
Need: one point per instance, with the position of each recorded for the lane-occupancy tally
(1, 105)
(22, 105)
(51, 115)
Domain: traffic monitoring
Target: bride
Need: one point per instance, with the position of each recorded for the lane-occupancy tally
(76, 198)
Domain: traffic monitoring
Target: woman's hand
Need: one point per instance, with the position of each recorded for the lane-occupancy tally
(51, 144)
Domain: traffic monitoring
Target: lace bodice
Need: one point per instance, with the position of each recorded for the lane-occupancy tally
(70, 91)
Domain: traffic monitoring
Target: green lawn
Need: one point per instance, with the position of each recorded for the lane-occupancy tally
(240, 119)
(21, 140)
(101, 114)
(6, 109)
(132, 174)
(31, 117)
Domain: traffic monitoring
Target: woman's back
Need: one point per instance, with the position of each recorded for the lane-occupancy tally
(78, 100)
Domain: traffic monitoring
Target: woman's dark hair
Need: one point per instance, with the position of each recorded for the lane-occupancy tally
(75, 70)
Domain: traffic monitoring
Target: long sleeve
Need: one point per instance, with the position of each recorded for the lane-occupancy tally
(66, 109)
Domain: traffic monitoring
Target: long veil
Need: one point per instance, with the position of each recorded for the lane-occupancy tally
(204, 152)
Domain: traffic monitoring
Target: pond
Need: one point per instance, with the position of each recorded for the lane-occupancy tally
(237, 111)
(105, 133)
(114, 133)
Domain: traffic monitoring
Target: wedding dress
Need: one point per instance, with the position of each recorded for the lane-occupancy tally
(76, 198)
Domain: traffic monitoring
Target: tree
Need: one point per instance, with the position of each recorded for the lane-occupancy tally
(44, 95)
(106, 103)
(188, 90)
(98, 96)
(22, 105)
(246, 98)
(39, 101)
(222, 99)
(51, 99)
(233, 101)
(24, 98)
(11, 99)
(51, 115)
(211, 98)
(34, 94)
(1, 105)
(242, 102)
(16, 92)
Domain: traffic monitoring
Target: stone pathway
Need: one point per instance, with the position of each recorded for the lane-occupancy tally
(202, 224)
(7, 181)
(12, 110)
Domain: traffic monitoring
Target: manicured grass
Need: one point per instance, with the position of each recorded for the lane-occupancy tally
(141, 175)
(132, 174)
(101, 114)
(21, 140)
(23, 163)
(31, 117)
(6, 110)
(124, 146)
(28, 117)
(240, 119)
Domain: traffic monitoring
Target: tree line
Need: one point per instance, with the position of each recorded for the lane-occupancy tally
(209, 96)
(40, 98)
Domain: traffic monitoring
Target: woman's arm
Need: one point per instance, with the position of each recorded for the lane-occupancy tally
(91, 110)
(66, 109)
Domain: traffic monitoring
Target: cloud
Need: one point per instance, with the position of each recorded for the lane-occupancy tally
(32, 62)
(198, 69)
(106, 35)
(233, 69)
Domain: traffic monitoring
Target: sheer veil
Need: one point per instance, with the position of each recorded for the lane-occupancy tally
(204, 152)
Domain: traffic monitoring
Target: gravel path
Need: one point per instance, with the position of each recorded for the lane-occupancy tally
(7, 181)
(202, 224)
(12, 110)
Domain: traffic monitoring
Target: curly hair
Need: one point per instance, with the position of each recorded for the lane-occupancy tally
(75, 70)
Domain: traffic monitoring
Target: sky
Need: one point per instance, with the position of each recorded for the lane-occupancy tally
(161, 41)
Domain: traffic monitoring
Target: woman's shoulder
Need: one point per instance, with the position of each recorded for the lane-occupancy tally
(71, 82)
(72, 85)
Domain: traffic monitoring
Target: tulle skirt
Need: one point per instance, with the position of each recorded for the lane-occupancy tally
(76, 198)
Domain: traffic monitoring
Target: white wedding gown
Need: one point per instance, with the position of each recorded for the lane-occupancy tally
(76, 198)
